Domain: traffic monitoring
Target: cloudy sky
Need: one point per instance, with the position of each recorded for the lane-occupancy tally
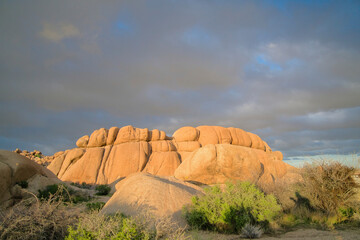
(286, 70)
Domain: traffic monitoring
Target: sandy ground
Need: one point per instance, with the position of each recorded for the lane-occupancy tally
(300, 234)
(304, 234)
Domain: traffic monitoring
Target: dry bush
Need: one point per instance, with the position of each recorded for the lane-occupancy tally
(168, 229)
(33, 219)
(283, 191)
(328, 185)
(164, 228)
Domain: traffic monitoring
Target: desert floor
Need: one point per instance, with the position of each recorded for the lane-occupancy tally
(300, 234)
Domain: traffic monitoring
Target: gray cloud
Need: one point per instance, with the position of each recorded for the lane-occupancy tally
(287, 70)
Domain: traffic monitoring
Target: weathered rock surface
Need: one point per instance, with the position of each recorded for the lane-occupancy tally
(223, 162)
(15, 168)
(161, 196)
(83, 141)
(207, 154)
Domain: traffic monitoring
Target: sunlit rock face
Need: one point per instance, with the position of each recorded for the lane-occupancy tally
(205, 154)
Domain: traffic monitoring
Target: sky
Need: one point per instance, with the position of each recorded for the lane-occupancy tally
(288, 71)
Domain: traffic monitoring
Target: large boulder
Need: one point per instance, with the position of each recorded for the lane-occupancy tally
(185, 134)
(213, 135)
(161, 196)
(163, 163)
(220, 163)
(98, 138)
(82, 142)
(15, 168)
(113, 132)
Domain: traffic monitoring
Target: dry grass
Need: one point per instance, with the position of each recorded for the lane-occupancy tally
(33, 219)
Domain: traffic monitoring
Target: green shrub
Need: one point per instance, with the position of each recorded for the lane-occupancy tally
(23, 184)
(95, 206)
(38, 155)
(102, 189)
(83, 185)
(95, 226)
(63, 193)
(231, 209)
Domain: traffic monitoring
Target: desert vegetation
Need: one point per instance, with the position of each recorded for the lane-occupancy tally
(327, 198)
(229, 210)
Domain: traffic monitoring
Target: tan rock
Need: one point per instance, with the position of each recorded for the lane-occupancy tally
(71, 157)
(113, 131)
(39, 182)
(86, 168)
(240, 137)
(267, 148)
(142, 134)
(162, 196)
(184, 155)
(59, 153)
(256, 141)
(98, 138)
(15, 168)
(154, 135)
(219, 163)
(101, 178)
(278, 155)
(162, 163)
(224, 135)
(162, 146)
(207, 135)
(126, 158)
(131, 134)
(5, 182)
(187, 146)
(213, 135)
(82, 142)
(186, 134)
(236, 155)
(56, 164)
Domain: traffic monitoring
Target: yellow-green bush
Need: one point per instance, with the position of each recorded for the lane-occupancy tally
(231, 209)
(96, 226)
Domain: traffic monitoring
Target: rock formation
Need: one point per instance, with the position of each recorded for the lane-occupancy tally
(219, 163)
(15, 168)
(36, 156)
(161, 196)
(205, 154)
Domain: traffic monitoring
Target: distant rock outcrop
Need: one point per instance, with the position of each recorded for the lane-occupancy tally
(160, 196)
(205, 154)
(36, 156)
